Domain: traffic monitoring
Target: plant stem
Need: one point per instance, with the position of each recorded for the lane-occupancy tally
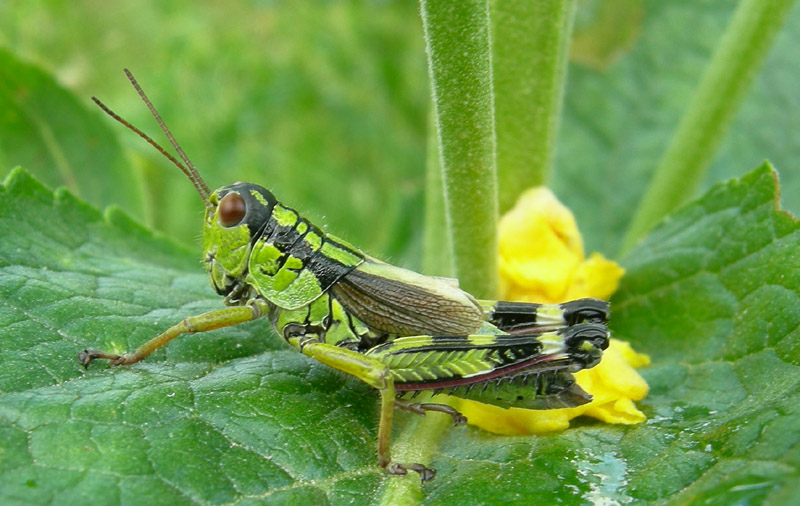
(723, 86)
(437, 258)
(531, 50)
(457, 36)
(416, 443)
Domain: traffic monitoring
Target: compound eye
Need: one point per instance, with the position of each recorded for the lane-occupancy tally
(231, 209)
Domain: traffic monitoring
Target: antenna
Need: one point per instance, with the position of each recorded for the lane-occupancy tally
(190, 172)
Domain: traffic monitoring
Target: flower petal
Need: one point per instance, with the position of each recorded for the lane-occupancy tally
(595, 277)
(541, 254)
(540, 247)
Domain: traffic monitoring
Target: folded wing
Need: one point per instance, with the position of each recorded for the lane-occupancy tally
(530, 371)
(404, 303)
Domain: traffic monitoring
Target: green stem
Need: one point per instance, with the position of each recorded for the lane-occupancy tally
(437, 258)
(531, 49)
(460, 230)
(416, 443)
(716, 100)
(457, 36)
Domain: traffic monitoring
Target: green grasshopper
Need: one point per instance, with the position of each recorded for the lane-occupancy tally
(400, 332)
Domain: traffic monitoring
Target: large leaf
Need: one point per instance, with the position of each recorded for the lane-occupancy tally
(714, 295)
(234, 416)
(196, 423)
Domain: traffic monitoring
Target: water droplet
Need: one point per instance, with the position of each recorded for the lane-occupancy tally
(606, 476)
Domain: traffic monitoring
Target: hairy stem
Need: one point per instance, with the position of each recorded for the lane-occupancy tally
(457, 36)
(531, 49)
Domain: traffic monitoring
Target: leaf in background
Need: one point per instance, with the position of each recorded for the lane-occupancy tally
(618, 122)
(302, 97)
(714, 104)
(713, 295)
(324, 103)
(605, 30)
(43, 126)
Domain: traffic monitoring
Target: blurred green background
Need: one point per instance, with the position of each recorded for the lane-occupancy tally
(326, 103)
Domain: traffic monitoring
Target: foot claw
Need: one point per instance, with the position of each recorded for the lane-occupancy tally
(399, 469)
(87, 356)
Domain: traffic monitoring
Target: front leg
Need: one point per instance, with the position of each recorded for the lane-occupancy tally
(370, 371)
(199, 323)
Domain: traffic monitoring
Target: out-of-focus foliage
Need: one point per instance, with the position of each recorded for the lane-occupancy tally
(325, 103)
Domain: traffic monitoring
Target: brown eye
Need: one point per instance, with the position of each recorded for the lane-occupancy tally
(231, 209)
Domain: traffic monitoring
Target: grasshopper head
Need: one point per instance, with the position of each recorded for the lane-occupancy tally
(235, 215)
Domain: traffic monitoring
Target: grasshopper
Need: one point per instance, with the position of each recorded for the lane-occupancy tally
(400, 332)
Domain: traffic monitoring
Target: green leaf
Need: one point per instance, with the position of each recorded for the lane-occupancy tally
(708, 115)
(325, 103)
(605, 30)
(195, 423)
(44, 126)
(234, 416)
(713, 295)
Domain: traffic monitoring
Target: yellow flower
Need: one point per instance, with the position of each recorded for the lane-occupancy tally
(542, 260)
(541, 254)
